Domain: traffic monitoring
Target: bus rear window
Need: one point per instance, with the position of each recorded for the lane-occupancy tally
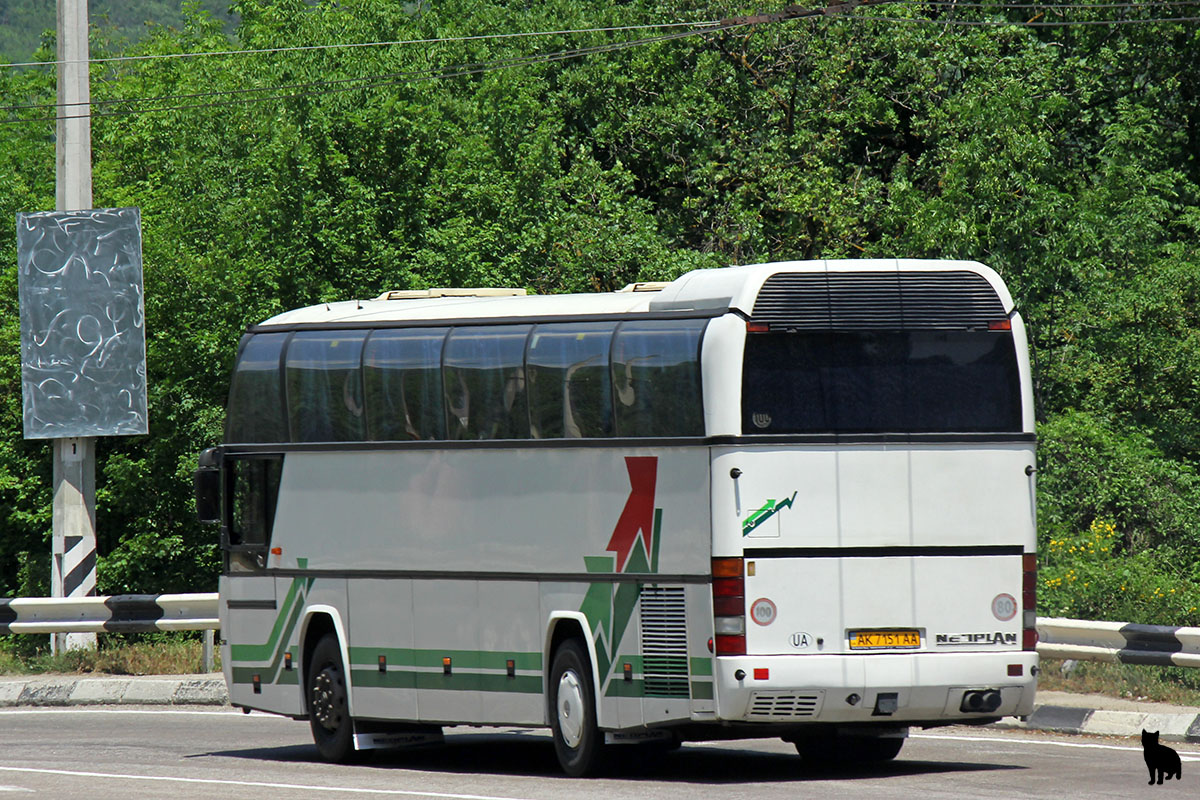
(881, 382)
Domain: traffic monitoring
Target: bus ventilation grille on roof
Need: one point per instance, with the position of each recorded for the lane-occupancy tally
(664, 642)
(825, 301)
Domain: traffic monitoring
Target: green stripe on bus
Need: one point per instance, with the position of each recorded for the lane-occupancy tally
(271, 672)
(600, 564)
(702, 690)
(665, 665)
(456, 681)
(262, 652)
(702, 666)
(464, 659)
(619, 687)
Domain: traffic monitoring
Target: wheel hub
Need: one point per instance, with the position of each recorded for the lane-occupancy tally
(570, 707)
(328, 699)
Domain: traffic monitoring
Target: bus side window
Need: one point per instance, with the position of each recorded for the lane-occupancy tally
(324, 386)
(402, 378)
(570, 393)
(484, 374)
(255, 412)
(656, 378)
(253, 493)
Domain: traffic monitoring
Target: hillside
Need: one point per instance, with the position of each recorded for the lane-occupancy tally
(24, 22)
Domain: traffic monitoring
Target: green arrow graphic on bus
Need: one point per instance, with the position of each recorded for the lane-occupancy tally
(769, 509)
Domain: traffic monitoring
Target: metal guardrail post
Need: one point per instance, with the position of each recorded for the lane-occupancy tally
(208, 651)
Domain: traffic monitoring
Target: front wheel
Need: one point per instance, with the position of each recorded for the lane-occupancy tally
(578, 742)
(328, 704)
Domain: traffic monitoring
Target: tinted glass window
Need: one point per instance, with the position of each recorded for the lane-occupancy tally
(485, 383)
(656, 378)
(253, 492)
(570, 394)
(324, 389)
(402, 376)
(255, 412)
(881, 382)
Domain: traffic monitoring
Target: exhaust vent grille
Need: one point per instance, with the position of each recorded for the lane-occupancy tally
(664, 642)
(784, 705)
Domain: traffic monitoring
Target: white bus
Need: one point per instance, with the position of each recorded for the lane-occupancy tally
(784, 500)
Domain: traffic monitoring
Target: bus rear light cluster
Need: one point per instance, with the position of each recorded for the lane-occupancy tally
(729, 607)
(1029, 635)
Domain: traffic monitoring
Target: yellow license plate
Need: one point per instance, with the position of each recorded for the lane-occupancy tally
(885, 640)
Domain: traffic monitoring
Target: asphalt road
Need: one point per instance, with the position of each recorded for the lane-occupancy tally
(207, 754)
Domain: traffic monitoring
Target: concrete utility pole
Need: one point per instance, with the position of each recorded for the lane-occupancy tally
(73, 573)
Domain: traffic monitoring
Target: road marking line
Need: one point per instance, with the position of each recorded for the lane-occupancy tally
(258, 784)
(1006, 740)
(55, 710)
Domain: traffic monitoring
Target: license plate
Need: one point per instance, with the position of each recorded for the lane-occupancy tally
(885, 640)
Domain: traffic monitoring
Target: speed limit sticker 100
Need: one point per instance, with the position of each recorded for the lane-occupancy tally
(763, 611)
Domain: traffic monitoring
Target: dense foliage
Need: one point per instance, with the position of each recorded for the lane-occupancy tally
(1064, 157)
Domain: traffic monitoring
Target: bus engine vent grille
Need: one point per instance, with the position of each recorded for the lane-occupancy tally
(784, 705)
(664, 642)
(852, 301)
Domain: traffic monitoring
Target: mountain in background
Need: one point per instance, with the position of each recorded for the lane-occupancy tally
(23, 22)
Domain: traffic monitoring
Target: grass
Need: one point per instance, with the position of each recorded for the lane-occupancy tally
(114, 656)
(1176, 685)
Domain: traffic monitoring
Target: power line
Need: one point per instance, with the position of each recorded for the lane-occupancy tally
(1029, 24)
(1002, 6)
(570, 31)
(349, 45)
(342, 85)
(791, 12)
(365, 82)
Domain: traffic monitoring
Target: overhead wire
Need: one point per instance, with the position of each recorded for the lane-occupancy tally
(706, 28)
(1011, 23)
(349, 45)
(363, 82)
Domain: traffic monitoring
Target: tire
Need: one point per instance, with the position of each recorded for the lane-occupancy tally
(578, 742)
(328, 702)
(850, 749)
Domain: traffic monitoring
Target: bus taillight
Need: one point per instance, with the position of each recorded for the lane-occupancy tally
(1029, 636)
(729, 606)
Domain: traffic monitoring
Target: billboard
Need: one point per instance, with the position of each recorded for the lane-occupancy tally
(83, 333)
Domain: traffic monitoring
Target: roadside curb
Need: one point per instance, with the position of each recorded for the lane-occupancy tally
(72, 691)
(1102, 722)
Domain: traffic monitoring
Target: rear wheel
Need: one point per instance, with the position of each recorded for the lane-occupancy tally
(578, 742)
(328, 702)
(850, 749)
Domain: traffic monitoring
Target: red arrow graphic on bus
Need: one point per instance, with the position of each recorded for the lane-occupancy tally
(638, 514)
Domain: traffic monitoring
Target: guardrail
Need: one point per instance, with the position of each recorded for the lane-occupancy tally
(122, 613)
(1083, 640)
(1118, 642)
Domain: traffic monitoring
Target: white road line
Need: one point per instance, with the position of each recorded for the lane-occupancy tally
(1186, 756)
(258, 784)
(179, 711)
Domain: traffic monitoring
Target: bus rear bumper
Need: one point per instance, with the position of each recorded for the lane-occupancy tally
(876, 688)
